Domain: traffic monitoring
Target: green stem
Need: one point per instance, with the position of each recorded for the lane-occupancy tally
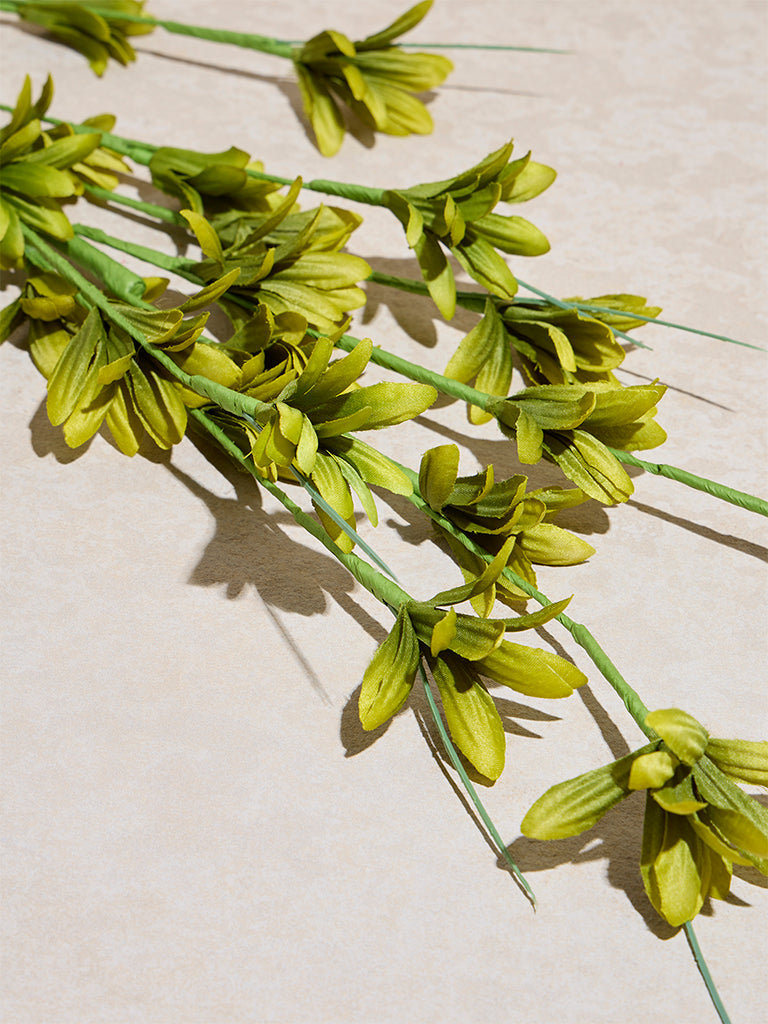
(699, 483)
(264, 44)
(152, 209)
(175, 264)
(701, 963)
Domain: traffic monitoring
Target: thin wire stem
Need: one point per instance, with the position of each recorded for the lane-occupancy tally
(701, 963)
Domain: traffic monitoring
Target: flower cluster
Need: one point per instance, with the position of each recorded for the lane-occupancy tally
(87, 27)
(461, 651)
(499, 515)
(40, 168)
(698, 823)
(457, 215)
(373, 78)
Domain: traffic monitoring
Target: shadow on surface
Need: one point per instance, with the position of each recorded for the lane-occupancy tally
(726, 539)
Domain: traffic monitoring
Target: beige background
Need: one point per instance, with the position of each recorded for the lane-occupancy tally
(196, 830)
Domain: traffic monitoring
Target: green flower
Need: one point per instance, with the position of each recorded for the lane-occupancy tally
(457, 215)
(97, 375)
(307, 420)
(575, 425)
(554, 345)
(39, 169)
(499, 515)
(697, 825)
(97, 36)
(462, 651)
(371, 77)
(210, 182)
(287, 260)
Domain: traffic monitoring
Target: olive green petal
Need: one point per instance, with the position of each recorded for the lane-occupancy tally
(684, 736)
(671, 865)
(389, 677)
(589, 464)
(531, 671)
(547, 544)
(481, 261)
(437, 474)
(473, 721)
(404, 23)
(571, 807)
(745, 760)
(322, 111)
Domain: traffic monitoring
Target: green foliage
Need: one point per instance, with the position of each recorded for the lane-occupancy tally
(503, 518)
(97, 36)
(462, 651)
(698, 824)
(457, 215)
(374, 79)
(41, 168)
(288, 260)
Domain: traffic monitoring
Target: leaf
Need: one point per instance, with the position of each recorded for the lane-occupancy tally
(437, 273)
(390, 402)
(481, 261)
(372, 466)
(684, 736)
(678, 797)
(588, 463)
(530, 670)
(671, 864)
(473, 721)
(399, 27)
(437, 474)
(206, 236)
(389, 677)
(652, 770)
(547, 544)
(321, 109)
(513, 235)
(71, 373)
(571, 807)
(745, 760)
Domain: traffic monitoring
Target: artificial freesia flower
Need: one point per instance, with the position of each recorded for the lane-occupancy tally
(373, 78)
(697, 825)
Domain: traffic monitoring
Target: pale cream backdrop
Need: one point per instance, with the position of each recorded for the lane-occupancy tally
(195, 829)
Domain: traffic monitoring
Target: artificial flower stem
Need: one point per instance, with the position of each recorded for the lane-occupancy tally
(164, 261)
(699, 483)
(701, 963)
(264, 44)
(152, 209)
